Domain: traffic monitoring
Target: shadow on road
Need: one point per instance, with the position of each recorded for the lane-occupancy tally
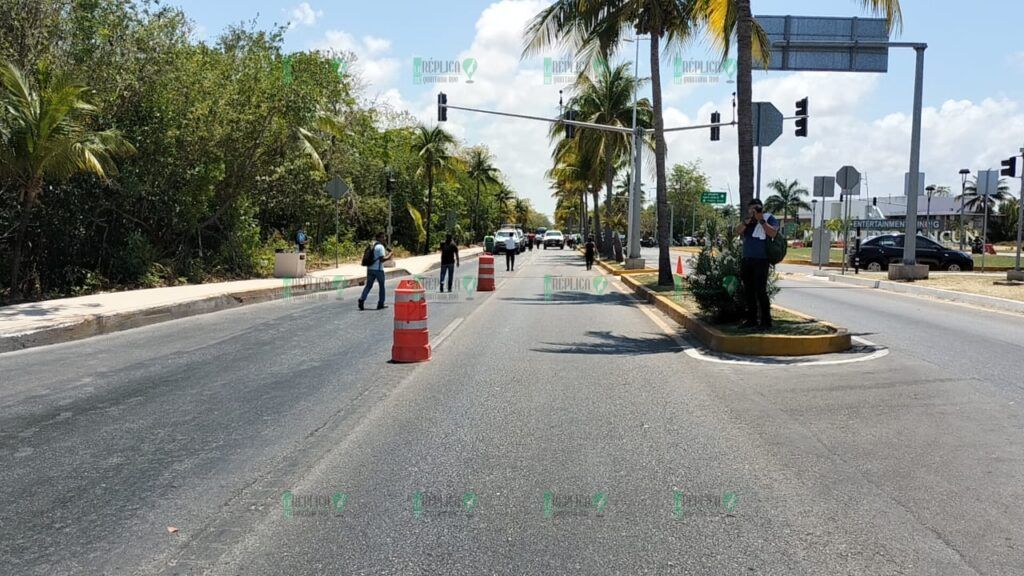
(573, 298)
(605, 343)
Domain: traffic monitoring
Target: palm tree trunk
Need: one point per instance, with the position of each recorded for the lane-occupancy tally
(586, 221)
(744, 101)
(476, 214)
(609, 176)
(660, 151)
(597, 216)
(27, 203)
(430, 206)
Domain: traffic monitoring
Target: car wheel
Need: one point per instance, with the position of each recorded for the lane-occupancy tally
(873, 266)
(954, 267)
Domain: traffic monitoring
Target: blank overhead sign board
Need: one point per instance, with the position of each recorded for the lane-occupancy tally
(852, 43)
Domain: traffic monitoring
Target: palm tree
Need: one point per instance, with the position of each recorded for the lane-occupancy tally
(434, 147)
(595, 30)
(580, 171)
(481, 170)
(45, 135)
(725, 19)
(730, 214)
(504, 196)
(521, 209)
(608, 100)
(788, 199)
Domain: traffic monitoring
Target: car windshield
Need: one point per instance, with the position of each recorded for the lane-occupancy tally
(554, 234)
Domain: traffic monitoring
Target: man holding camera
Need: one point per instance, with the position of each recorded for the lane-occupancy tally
(756, 230)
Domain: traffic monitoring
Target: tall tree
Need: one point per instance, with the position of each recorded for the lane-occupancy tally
(788, 199)
(434, 148)
(596, 30)
(46, 135)
(481, 170)
(607, 99)
(728, 19)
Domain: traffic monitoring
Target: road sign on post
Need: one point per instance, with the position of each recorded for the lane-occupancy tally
(713, 198)
(824, 187)
(847, 177)
(920, 183)
(988, 182)
(767, 123)
(337, 188)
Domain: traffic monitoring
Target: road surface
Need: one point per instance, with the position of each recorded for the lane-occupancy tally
(558, 430)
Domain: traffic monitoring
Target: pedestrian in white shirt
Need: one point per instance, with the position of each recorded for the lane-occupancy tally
(510, 253)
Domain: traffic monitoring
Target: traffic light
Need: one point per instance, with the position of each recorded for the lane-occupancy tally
(1009, 167)
(716, 132)
(801, 122)
(442, 107)
(570, 129)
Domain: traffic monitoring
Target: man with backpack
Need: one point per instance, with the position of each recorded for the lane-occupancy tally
(301, 239)
(758, 230)
(373, 258)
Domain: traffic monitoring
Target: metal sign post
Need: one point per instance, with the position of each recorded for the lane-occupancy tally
(848, 179)
(338, 190)
(988, 184)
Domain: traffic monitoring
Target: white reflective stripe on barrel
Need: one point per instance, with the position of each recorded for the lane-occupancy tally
(409, 296)
(489, 276)
(413, 325)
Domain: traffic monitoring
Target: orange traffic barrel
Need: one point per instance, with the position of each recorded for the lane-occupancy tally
(485, 282)
(412, 339)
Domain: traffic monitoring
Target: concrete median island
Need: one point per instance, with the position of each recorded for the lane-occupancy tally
(794, 333)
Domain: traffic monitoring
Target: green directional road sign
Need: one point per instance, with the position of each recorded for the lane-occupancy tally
(713, 198)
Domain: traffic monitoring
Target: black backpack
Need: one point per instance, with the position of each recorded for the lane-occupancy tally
(368, 258)
(777, 248)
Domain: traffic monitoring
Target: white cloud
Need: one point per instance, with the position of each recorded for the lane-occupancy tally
(372, 64)
(304, 15)
(956, 134)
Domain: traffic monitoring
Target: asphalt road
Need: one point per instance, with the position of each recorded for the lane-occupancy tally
(557, 430)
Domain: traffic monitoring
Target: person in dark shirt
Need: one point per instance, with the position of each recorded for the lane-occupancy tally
(589, 249)
(449, 260)
(756, 230)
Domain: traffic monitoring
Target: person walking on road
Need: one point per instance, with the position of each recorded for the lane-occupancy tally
(589, 249)
(756, 230)
(449, 260)
(374, 259)
(510, 253)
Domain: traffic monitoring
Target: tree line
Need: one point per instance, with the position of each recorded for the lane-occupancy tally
(132, 154)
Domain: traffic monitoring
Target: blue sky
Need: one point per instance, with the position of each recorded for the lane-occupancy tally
(973, 96)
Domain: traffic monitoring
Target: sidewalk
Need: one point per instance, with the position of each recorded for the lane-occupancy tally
(52, 321)
(876, 281)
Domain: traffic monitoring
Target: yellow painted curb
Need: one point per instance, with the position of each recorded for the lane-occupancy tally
(616, 272)
(750, 345)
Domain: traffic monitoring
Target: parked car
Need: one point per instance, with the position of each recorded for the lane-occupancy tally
(554, 238)
(689, 241)
(648, 242)
(877, 253)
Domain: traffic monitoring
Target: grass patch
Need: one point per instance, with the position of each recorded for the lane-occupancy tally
(783, 323)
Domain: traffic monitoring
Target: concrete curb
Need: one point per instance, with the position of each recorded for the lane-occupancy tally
(752, 345)
(993, 302)
(616, 272)
(89, 326)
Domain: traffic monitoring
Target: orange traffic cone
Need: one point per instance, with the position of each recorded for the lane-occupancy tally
(679, 266)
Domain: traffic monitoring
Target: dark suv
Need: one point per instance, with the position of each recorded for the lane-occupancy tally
(877, 253)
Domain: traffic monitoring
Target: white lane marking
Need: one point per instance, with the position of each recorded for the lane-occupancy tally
(699, 354)
(446, 332)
